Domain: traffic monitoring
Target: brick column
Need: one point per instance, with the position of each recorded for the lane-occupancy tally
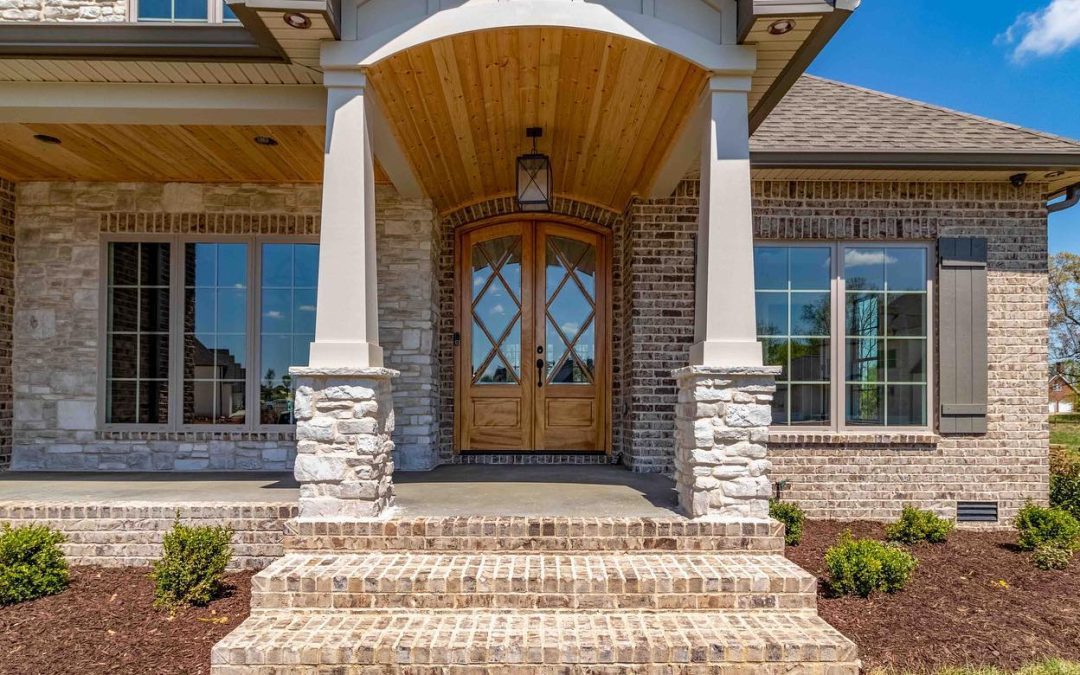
(344, 418)
(721, 430)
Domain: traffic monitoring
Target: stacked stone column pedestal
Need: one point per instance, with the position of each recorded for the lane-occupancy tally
(721, 433)
(344, 418)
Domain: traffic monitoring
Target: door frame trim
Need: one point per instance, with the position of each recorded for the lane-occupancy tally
(606, 235)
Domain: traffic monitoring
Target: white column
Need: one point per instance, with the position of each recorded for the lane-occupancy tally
(725, 331)
(347, 318)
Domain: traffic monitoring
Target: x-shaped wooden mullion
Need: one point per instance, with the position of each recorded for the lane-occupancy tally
(496, 272)
(570, 345)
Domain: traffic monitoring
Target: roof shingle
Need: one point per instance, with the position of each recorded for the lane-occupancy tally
(824, 115)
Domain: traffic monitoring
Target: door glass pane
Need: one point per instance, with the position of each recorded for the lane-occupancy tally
(496, 311)
(570, 273)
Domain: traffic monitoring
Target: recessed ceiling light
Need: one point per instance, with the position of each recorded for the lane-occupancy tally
(1054, 174)
(297, 20)
(45, 138)
(781, 27)
(266, 140)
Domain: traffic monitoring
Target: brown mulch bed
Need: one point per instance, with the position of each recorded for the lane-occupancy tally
(974, 600)
(105, 623)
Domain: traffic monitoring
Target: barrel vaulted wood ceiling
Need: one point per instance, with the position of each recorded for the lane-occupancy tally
(610, 109)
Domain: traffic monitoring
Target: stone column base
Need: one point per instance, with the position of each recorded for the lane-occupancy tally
(344, 418)
(721, 430)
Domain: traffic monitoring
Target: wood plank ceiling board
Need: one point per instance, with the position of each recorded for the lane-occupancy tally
(610, 108)
(774, 52)
(165, 72)
(195, 153)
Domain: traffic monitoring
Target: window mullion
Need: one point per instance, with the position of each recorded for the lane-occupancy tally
(838, 331)
(254, 415)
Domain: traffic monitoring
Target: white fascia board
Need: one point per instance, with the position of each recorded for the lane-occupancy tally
(123, 103)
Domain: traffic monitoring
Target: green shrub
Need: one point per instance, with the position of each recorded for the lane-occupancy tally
(1065, 492)
(193, 565)
(862, 566)
(1040, 526)
(1048, 557)
(31, 563)
(792, 517)
(917, 525)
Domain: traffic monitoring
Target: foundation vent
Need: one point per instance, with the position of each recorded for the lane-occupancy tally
(976, 512)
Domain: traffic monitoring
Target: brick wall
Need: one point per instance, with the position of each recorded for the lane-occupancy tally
(7, 315)
(63, 10)
(869, 478)
(58, 230)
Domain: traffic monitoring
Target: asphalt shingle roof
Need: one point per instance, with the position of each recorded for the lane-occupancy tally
(823, 115)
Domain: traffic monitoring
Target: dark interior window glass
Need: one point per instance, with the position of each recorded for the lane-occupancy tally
(137, 333)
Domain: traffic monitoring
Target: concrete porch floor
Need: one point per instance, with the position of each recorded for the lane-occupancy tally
(457, 490)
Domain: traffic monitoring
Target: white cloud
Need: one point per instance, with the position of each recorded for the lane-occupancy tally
(274, 314)
(1051, 30)
(855, 256)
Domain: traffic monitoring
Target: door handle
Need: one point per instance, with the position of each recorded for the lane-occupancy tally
(540, 372)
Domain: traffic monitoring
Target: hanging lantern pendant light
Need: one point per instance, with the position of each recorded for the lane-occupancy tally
(534, 177)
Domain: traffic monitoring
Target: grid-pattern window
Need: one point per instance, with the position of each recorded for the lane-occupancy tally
(849, 325)
(794, 326)
(215, 333)
(885, 307)
(137, 333)
(289, 276)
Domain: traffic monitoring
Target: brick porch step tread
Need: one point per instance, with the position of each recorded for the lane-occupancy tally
(397, 638)
(522, 533)
(535, 580)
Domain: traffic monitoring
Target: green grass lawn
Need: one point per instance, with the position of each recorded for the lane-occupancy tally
(1065, 430)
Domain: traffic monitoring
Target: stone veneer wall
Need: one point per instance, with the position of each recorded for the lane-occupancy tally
(64, 10)
(498, 207)
(58, 233)
(873, 476)
(7, 315)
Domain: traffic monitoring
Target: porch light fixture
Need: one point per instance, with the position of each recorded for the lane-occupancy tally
(534, 177)
(45, 138)
(268, 141)
(297, 20)
(781, 27)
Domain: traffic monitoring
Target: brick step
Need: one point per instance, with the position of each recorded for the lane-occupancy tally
(362, 641)
(490, 533)
(534, 581)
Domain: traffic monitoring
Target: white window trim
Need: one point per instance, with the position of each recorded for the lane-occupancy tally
(176, 332)
(838, 339)
(215, 13)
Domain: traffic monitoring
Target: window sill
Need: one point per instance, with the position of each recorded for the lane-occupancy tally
(785, 437)
(195, 435)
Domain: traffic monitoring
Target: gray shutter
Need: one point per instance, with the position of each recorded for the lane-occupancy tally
(962, 334)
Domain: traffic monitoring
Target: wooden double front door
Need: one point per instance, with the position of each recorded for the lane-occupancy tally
(532, 321)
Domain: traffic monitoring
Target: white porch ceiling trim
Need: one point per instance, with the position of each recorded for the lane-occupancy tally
(112, 103)
(480, 16)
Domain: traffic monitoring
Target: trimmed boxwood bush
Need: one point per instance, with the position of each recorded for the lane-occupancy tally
(193, 565)
(1048, 557)
(862, 566)
(917, 525)
(792, 517)
(31, 563)
(1042, 526)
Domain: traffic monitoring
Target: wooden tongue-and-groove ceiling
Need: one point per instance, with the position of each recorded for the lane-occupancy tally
(610, 109)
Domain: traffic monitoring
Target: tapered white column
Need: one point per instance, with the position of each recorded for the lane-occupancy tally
(347, 320)
(725, 331)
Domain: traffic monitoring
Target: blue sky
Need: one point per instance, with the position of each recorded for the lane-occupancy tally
(962, 54)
